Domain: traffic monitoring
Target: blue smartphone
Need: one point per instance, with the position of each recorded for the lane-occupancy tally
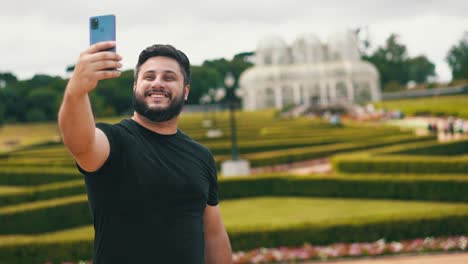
(102, 28)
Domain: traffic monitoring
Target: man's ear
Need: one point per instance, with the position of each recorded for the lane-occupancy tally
(186, 91)
(134, 86)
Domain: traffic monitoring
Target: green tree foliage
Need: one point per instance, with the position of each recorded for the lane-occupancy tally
(457, 58)
(395, 67)
(114, 97)
(39, 98)
(390, 61)
(236, 66)
(203, 79)
(36, 99)
(420, 68)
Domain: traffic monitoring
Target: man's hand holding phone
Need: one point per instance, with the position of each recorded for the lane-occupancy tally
(93, 65)
(100, 61)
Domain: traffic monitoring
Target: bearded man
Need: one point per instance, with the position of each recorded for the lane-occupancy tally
(152, 190)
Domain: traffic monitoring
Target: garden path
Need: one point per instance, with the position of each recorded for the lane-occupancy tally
(448, 258)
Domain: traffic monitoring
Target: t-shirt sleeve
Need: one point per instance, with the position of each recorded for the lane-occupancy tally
(213, 191)
(112, 136)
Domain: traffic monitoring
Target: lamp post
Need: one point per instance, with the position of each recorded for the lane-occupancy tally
(229, 82)
(213, 97)
(235, 166)
(205, 100)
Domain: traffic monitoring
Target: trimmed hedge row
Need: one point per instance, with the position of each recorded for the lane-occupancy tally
(428, 189)
(259, 156)
(268, 158)
(436, 105)
(39, 161)
(44, 193)
(44, 252)
(415, 188)
(434, 158)
(31, 176)
(401, 164)
(393, 229)
(47, 219)
(367, 186)
(456, 148)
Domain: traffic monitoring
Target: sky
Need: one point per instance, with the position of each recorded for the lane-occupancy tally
(44, 37)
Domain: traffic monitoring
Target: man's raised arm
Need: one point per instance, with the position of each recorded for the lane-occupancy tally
(88, 145)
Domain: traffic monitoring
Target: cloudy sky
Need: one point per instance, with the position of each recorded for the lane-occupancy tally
(46, 36)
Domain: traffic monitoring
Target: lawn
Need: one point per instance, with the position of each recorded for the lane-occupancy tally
(283, 212)
(440, 105)
(269, 213)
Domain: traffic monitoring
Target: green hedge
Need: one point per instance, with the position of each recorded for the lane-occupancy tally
(436, 105)
(417, 158)
(392, 229)
(37, 194)
(429, 189)
(401, 164)
(31, 176)
(299, 154)
(46, 219)
(294, 141)
(456, 148)
(365, 186)
(42, 253)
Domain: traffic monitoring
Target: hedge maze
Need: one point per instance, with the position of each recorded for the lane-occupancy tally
(385, 183)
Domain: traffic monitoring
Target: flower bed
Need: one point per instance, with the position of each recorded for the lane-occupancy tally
(341, 250)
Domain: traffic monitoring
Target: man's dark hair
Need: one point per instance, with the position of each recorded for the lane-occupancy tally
(165, 51)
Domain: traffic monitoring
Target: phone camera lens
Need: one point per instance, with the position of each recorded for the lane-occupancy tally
(94, 23)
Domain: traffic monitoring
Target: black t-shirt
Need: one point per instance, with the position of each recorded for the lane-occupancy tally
(148, 198)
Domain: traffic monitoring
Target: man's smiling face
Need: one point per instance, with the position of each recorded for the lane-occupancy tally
(159, 92)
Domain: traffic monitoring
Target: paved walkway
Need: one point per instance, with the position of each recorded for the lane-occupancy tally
(302, 167)
(449, 258)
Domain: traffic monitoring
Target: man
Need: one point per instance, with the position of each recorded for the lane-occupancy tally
(152, 190)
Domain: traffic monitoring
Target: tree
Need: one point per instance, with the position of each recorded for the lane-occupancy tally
(396, 68)
(203, 79)
(420, 69)
(2, 107)
(38, 98)
(115, 95)
(390, 61)
(212, 72)
(457, 58)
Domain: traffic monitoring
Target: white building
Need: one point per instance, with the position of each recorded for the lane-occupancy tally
(308, 73)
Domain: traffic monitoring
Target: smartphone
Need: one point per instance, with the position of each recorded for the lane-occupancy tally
(102, 28)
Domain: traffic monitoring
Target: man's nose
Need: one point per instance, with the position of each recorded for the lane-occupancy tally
(157, 82)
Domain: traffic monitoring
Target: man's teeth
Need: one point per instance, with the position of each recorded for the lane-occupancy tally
(157, 95)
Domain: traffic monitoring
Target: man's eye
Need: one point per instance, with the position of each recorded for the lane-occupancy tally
(169, 78)
(148, 77)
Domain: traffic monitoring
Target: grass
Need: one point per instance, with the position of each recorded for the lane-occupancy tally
(277, 213)
(84, 233)
(41, 187)
(43, 204)
(269, 213)
(443, 105)
(13, 190)
(20, 135)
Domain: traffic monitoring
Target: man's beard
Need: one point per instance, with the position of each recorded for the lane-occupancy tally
(158, 114)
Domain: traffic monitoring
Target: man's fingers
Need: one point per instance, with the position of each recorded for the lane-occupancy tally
(108, 64)
(100, 46)
(105, 55)
(107, 74)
